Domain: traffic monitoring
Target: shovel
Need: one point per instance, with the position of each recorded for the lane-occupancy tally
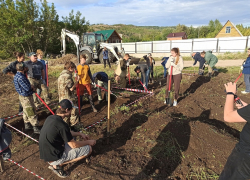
(168, 100)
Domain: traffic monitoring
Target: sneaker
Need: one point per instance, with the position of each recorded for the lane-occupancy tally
(27, 126)
(59, 171)
(244, 92)
(175, 103)
(94, 110)
(165, 102)
(36, 130)
(20, 113)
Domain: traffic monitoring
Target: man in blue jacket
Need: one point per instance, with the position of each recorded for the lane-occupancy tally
(106, 57)
(197, 57)
(246, 71)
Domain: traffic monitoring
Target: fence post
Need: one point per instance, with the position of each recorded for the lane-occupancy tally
(135, 47)
(192, 48)
(217, 46)
(246, 43)
(152, 47)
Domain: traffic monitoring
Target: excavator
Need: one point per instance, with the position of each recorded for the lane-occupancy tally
(90, 44)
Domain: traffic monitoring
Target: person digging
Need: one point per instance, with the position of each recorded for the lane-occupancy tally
(102, 81)
(56, 143)
(25, 91)
(66, 88)
(142, 68)
(201, 60)
(121, 71)
(211, 60)
(84, 76)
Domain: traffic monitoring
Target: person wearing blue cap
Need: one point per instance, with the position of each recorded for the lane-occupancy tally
(36, 76)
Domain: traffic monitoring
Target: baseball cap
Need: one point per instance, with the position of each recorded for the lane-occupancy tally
(137, 68)
(65, 104)
(32, 54)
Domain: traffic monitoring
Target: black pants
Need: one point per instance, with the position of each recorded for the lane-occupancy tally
(201, 64)
(20, 107)
(237, 166)
(104, 61)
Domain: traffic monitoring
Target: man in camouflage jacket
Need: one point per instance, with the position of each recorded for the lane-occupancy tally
(66, 87)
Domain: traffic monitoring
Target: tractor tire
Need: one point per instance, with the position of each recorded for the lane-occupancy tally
(101, 57)
(112, 57)
(89, 58)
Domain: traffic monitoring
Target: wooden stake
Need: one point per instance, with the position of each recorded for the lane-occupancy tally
(108, 126)
(1, 164)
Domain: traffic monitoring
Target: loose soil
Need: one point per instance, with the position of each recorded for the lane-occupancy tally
(148, 141)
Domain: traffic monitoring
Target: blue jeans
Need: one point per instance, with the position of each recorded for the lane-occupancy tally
(146, 79)
(165, 71)
(247, 82)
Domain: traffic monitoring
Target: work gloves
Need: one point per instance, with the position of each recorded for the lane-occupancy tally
(242, 68)
(94, 84)
(173, 64)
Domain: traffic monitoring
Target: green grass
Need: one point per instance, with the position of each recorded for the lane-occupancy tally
(201, 173)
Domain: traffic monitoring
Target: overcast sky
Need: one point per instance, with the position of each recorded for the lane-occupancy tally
(157, 12)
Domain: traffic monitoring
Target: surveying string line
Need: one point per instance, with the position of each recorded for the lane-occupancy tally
(21, 132)
(133, 90)
(26, 169)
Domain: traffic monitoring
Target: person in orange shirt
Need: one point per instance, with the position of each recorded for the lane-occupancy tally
(85, 77)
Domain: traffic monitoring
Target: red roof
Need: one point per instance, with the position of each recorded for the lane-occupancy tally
(178, 34)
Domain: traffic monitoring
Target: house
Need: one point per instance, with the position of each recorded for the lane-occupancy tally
(229, 30)
(111, 36)
(177, 36)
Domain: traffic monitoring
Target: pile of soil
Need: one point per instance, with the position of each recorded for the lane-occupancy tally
(64, 59)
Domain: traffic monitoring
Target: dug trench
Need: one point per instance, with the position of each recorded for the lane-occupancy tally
(149, 140)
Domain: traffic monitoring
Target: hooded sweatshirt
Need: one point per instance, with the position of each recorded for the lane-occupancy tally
(178, 68)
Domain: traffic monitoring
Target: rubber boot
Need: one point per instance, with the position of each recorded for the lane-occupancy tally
(36, 130)
(27, 126)
(81, 102)
(92, 103)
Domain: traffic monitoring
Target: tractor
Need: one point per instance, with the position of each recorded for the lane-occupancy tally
(90, 44)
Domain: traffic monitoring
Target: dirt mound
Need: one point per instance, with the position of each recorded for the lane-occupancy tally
(64, 59)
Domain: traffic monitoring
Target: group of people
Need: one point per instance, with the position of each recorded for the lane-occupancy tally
(56, 142)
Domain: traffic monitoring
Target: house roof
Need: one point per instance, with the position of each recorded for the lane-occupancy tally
(108, 33)
(178, 34)
(233, 26)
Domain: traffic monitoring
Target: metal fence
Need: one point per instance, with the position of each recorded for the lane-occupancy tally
(232, 44)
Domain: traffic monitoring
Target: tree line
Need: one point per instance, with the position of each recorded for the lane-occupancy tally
(132, 33)
(27, 26)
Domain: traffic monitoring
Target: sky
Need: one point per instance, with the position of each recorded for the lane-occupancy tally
(157, 12)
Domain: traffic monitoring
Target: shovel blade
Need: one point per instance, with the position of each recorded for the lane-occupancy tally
(168, 101)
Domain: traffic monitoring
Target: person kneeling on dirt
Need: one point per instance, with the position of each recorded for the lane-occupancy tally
(211, 60)
(84, 75)
(175, 61)
(36, 76)
(197, 57)
(246, 71)
(102, 81)
(142, 68)
(25, 91)
(56, 143)
(121, 71)
(238, 163)
(66, 88)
